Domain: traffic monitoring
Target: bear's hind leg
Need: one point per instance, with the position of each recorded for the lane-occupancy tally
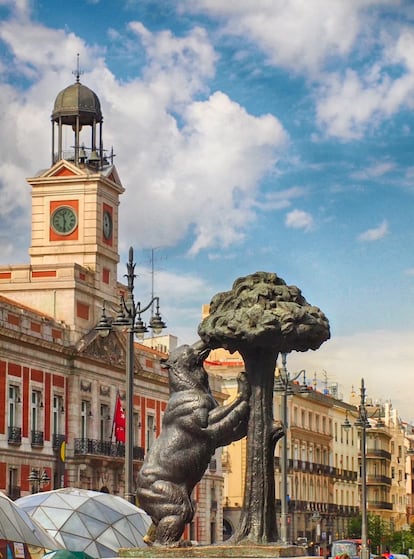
(169, 530)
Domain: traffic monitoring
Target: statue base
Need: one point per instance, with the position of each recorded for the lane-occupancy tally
(217, 551)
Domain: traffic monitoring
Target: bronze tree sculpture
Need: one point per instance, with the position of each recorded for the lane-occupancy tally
(260, 317)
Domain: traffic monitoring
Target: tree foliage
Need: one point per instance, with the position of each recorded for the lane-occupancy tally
(261, 310)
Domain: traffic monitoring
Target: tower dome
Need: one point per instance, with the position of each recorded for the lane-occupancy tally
(77, 100)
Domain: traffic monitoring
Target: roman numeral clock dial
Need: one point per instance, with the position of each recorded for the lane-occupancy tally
(64, 220)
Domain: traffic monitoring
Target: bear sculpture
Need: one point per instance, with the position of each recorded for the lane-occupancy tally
(194, 425)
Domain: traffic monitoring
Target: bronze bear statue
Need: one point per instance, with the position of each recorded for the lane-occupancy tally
(194, 425)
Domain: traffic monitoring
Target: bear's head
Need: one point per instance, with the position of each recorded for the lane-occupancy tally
(185, 367)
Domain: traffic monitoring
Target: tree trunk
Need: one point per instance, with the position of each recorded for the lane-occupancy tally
(258, 517)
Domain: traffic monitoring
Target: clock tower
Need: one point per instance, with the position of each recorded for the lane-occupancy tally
(74, 246)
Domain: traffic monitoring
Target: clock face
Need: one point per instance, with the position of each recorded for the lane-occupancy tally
(64, 220)
(107, 225)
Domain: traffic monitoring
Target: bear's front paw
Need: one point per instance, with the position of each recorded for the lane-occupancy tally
(243, 386)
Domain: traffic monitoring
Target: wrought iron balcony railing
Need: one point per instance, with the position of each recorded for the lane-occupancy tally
(37, 438)
(14, 435)
(106, 448)
(14, 492)
(57, 441)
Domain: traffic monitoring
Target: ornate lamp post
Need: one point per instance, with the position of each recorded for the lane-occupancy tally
(283, 385)
(38, 480)
(362, 423)
(129, 316)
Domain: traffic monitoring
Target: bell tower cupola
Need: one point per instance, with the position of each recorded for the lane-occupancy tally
(78, 107)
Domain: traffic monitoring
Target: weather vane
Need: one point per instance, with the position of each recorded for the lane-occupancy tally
(78, 72)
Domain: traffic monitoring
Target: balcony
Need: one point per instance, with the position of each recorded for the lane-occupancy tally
(378, 453)
(37, 438)
(378, 480)
(14, 435)
(57, 441)
(105, 448)
(14, 492)
(379, 505)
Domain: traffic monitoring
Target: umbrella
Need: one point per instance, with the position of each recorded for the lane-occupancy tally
(66, 554)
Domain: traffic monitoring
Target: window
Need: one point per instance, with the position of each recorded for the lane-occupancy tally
(57, 415)
(295, 415)
(136, 429)
(36, 405)
(150, 430)
(13, 400)
(104, 423)
(85, 412)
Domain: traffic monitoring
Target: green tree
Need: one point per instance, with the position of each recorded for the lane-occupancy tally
(378, 532)
(402, 541)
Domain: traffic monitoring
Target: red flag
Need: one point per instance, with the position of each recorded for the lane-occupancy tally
(119, 421)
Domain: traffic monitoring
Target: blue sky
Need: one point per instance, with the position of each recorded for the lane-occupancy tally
(249, 135)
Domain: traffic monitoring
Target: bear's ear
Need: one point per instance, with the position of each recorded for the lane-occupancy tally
(164, 363)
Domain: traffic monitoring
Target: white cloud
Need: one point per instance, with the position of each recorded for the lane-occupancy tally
(298, 34)
(376, 170)
(298, 219)
(350, 104)
(376, 233)
(383, 358)
(279, 199)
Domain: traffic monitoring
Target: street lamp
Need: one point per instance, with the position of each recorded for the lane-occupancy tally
(38, 480)
(129, 316)
(283, 385)
(362, 423)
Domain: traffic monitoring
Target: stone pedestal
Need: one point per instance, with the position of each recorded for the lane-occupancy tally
(216, 551)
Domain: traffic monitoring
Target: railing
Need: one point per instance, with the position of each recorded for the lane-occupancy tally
(15, 435)
(378, 453)
(383, 480)
(106, 448)
(57, 441)
(14, 492)
(37, 438)
(379, 505)
(318, 507)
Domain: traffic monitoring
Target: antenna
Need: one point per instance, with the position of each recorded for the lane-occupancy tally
(78, 72)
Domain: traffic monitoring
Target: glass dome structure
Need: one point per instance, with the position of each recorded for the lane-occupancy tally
(90, 521)
(17, 526)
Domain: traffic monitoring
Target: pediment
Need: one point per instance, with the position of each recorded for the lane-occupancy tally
(63, 168)
(110, 349)
(111, 174)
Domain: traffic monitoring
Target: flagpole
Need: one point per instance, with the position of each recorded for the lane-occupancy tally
(113, 418)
